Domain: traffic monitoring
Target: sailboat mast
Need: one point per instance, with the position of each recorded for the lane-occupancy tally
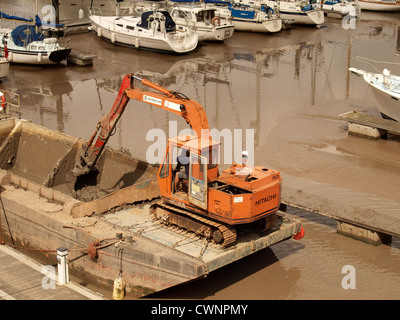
(56, 7)
(36, 10)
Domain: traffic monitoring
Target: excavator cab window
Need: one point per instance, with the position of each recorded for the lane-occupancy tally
(180, 168)
(211, 156)
(164, 172)
(198, 181)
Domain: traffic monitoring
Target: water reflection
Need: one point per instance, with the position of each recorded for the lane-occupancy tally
(251, 81)
(398, 41)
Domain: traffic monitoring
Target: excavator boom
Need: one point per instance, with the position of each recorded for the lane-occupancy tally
(163, 98)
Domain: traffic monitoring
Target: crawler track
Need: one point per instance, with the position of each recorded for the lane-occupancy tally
(212, 230)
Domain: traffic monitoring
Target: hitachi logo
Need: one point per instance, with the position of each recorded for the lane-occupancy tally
(266, 199)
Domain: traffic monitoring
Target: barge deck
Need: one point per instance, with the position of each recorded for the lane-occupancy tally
(104, 234)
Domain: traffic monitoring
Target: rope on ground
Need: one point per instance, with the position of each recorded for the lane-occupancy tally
(94, 246)
(91, 250)
(366, 60)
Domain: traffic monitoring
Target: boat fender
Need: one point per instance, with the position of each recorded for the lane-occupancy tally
(112, 37)
(216, 21)
(3, 102)
(137, 42)
(119, 288)
(299, 234)
(99, 32)
(39, 58)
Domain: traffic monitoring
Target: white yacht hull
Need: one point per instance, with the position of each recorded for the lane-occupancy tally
(387, 94)
(379, 5)
(41, 57)
(212, 34)
(204, 21)
(273, 25)
(389, 106)
(341, 9)
(179, 42)
(4, 67)
(293, 14)
(36, 52)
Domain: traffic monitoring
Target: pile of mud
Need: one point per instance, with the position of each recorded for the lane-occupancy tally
(45, 157)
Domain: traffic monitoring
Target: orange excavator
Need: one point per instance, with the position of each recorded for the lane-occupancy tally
(199, 198)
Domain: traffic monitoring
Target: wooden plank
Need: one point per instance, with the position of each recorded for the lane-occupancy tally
(21, 279)
(6, 296)
(371, 121)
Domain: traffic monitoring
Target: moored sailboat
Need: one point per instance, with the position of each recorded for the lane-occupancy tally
(386, 89)
(27, 43)
(251, 18)
(154, 30)
(4, 67)
(208, 25)
(380, 5)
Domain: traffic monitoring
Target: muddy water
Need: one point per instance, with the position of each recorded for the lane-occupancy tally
(307, 269)
(289, 88)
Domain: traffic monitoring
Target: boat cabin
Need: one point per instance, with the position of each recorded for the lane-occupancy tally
(157, 20)
(195, 14)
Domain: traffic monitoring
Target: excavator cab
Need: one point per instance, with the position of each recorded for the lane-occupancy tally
(194, 160)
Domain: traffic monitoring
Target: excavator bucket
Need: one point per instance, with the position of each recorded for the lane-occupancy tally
(114, 171)
(79, 178)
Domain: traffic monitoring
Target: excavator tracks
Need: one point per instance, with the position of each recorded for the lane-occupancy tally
(212, 230)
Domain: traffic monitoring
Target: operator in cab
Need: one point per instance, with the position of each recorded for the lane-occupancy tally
(182, 170)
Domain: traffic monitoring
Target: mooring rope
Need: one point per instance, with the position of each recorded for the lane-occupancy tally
(366, 60)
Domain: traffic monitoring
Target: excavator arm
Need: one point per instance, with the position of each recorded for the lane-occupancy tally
(163, 98)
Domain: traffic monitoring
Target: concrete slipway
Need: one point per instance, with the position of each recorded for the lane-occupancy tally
(102, 231)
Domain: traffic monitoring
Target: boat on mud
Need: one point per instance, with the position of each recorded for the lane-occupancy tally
(4, 67)
(255, 19)
(153, 30)
(300, 12)
(290, 12)
(206, 23)
(340, 8)
(380, 5)
(386, 89)
(29, 44)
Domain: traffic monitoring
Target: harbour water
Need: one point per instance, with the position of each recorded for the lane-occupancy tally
(288, 88)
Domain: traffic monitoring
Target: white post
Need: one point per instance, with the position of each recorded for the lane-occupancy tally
(62, 263)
